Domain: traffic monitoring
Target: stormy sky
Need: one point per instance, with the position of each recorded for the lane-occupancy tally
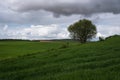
(49, 19)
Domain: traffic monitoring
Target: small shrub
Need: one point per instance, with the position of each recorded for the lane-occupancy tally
(101, 38)
(65, 45)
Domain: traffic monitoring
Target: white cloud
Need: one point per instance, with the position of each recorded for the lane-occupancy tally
(107, 19)
(52, 31)
(5, 27)
(108, 30)
(35, 32)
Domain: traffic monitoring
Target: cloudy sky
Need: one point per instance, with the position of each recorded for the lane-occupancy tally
(49, 19)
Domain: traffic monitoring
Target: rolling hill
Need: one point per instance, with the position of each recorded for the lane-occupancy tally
(60, 60)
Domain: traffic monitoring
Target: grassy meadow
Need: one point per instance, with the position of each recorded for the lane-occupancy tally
(9, 49)
(26, 60)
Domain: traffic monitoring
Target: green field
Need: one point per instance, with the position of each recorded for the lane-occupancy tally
(9, 49)
(25, 60)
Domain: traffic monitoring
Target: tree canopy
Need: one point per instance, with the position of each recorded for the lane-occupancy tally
(82, 30)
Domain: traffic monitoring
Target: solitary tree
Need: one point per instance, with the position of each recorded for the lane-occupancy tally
(82, 30)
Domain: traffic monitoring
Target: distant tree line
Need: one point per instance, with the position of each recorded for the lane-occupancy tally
(13, 40)
(103, 38)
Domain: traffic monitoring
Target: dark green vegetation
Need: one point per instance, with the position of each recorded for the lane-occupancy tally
(10, 49)
(90, 61)
(83, 30)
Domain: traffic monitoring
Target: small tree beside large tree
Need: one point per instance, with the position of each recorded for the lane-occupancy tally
(82, 30)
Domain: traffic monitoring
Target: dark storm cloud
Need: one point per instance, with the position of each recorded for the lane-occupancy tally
(68, 7)
(33, 19)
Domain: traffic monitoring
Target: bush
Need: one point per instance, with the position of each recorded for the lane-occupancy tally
(101, 38)
(65, 45)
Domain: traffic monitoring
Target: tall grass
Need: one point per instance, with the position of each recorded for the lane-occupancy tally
(91, 61)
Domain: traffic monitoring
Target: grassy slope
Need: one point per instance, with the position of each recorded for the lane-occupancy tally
(9, 49)
(91, 61)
